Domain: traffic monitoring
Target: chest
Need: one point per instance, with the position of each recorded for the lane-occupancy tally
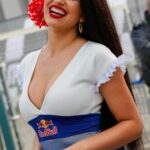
(72, 93)
(72, 87)
(44, 76)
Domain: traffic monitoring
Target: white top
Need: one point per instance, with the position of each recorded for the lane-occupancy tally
(75, 91)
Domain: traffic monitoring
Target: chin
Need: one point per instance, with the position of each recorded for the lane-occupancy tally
(54, 26)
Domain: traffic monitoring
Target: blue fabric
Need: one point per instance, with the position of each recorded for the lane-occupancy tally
(62, 143)
(50, 127)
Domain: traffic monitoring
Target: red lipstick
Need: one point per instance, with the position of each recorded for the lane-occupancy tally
(57, 12)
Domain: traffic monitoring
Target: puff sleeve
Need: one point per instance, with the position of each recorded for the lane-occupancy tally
(106, 62)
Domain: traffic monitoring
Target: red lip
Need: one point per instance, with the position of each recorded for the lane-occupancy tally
(54, 15)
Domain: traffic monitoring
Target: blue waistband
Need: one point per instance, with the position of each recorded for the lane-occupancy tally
(53, 127)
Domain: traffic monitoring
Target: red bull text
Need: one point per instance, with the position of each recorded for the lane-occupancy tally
(44, 128)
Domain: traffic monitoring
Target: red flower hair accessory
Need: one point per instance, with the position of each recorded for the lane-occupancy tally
(36, 12)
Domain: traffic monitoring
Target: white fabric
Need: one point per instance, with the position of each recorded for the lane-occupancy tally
(120, 62)
(75, 91)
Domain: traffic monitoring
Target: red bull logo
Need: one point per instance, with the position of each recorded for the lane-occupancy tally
(44, 124)
(46, 128)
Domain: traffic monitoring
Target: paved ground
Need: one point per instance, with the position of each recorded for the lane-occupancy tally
(143, 102)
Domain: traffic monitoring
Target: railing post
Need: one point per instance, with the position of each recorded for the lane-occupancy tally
(5, 126)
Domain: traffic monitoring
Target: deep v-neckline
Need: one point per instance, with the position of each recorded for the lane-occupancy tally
(76, 55)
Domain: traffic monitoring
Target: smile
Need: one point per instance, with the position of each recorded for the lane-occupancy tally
(57, 12)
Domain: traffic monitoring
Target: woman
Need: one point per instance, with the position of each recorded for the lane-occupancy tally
(64, 82)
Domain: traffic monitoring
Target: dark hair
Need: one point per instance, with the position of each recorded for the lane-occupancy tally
(99, 27)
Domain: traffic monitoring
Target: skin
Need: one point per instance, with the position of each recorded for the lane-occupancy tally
(115, 92)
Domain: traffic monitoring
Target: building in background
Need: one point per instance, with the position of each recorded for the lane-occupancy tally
(9, 12)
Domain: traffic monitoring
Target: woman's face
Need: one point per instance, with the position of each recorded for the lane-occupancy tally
(64, 14)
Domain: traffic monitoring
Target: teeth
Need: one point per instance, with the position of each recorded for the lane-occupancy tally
(58, 11)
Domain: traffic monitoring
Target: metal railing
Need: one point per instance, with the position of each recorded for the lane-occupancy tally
(8, 118)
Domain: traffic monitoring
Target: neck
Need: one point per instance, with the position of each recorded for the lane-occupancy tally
(59, 40)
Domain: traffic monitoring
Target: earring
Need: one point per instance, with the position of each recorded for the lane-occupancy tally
(80, 25)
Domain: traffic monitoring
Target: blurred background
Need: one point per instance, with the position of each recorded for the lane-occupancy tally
(19, 36)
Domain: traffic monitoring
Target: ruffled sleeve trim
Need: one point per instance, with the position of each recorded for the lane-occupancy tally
(19, 77)
(120, 62)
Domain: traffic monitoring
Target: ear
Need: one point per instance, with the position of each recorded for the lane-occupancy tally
(82, 20)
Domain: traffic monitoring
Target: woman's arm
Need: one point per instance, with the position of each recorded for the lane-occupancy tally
(36, 144)
(121, 104)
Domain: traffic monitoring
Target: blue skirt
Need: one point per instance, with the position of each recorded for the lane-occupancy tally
(62, 143)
